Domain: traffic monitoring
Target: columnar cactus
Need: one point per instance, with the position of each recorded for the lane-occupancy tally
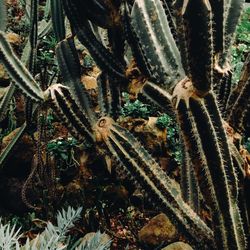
(181, 51)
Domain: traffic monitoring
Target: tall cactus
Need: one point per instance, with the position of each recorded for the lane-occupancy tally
(181, 48)
(198, 115)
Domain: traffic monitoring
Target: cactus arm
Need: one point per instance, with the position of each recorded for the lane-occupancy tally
(57, 16)
(102, 13)
(17, 71)
(150, 176)
(70, 70)
(150, 24)
(116, 37)
(104, 95)
(169, 11)
(157, 96)
(88, 39)
(196, 18)
(239, 100)
(109, 95)
(139, 57)
(240, 109)
(6, 152)
(202, 140)
(219, 9)
(69, 112)
(230, 22)
(189, 184)
(216, 118)
(219, 174)
(223, 88)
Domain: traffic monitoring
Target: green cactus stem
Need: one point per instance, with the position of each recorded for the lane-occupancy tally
(156, 43)
(70, 70)
(195, 21)
(58, 19)
(189, 184)
(239, 100)
(204, 136)
(161, 188)
(109, 96)
(84, 33)
(17, 71)
(69, 112)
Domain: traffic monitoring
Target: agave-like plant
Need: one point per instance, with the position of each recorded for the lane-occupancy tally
(181, 53)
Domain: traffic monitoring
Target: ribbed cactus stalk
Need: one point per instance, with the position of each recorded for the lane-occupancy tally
(189, 184)
(206, 143)
(109, 96)
(88, 39)
(155, 43)
(160, 188)
(17, 71)
(70, 70)
(239, 101)
(196, 41)
(69, 112)
(58, 19)
(133, 158)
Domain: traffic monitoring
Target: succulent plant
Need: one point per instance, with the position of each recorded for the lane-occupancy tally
(180, 62)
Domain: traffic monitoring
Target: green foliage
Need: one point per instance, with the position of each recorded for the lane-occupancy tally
(63, 150)
(173, 143)
(88, 62)
(242, 45)
(135, 109)
(8, 236)
(46, 53)
(164, 121)
(247, 144)
(54, 237)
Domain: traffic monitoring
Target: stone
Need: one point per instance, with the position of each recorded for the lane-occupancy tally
(158, 230)
(89, 82)
(178, 246)
(4, 77)
(14, 39)
(153, 138)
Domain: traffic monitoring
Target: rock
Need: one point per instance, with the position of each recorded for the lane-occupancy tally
(14, 39)
(89, 82)
(178, 246)
(89, 236)
(158, 230)
(4, 77)
(153, 138)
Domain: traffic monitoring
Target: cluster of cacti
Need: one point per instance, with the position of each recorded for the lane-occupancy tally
(180, 53)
